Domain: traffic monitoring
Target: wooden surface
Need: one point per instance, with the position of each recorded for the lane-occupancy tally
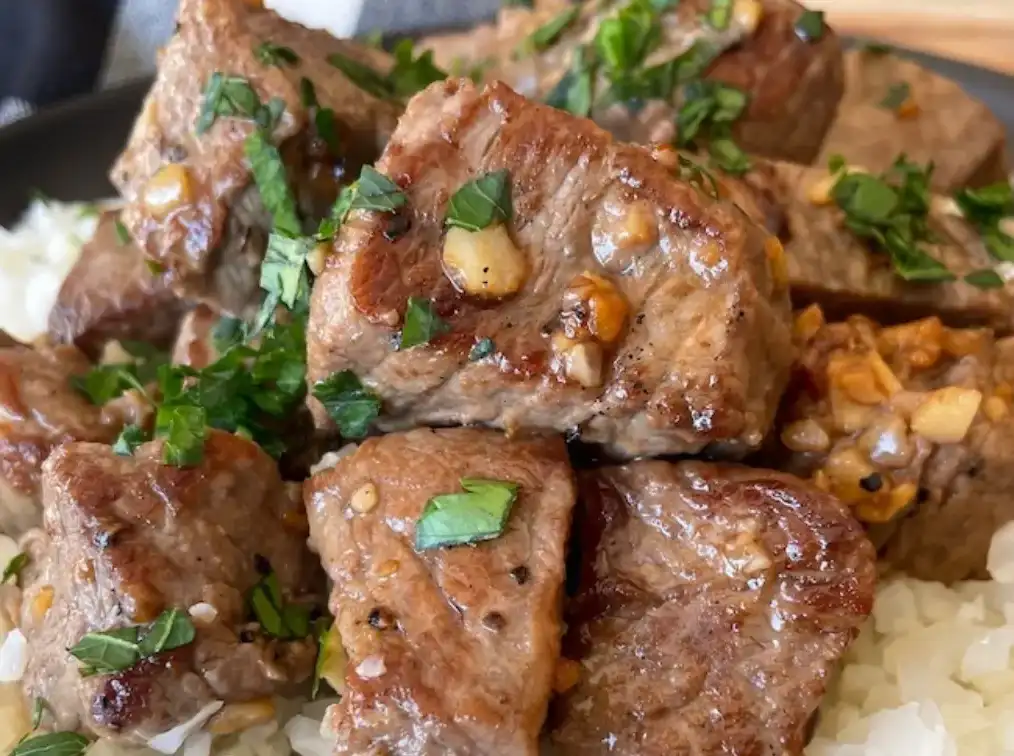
(972, 31)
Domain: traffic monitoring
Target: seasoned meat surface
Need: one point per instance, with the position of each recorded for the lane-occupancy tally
(793, 85)
(189, 202)
(714, 601)
(688, 345)
(128, 537)
(450, 650)
(194, 345)
(111, 293)
(40, 411)
(938, 121)
(831, 266)
(911, 426)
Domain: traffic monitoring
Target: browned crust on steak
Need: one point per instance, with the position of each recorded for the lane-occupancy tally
(714, 602)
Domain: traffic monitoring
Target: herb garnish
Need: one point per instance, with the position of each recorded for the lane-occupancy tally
(52, 744)
(13, 568)
(547, 34)
(104, 383)
(129, 439)
(352, 406)
(481, 202)
(478, 514)
(408, 76)
(696, 175)
(720, 14)
(121, 648)
(271, 54)
(277, 617)
(891, 211)
(226, 96)
(284, 268)
(269, 174)
(985, 209)
(483, 348)
(122, 234)
(226, 333)
(184, 428)
(422, 324)
(810, 25)
(575, 92)
(331, 659)
(709, 110)
(362, 75)
(987, 278)
(896, 96)
(728, 156)
(39, 708)
(375, 191)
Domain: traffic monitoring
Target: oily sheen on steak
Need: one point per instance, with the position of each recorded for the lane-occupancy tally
(703, 348)
(713, 603)
(450, 650)
(127, 538)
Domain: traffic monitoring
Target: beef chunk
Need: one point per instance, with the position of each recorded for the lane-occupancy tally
(195, 344)
(449, 653)
(831, 266)
(714, 601)
(40, 411)
(911, 426)
(190, 201)
(129, 537)
(793, 85)
(938, 121)
(651, 317)
(112, 293)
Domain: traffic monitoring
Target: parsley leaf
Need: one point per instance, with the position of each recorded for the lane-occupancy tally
(479, 514)
(326, 124)
(226, 96)
(39, 708)
(352, 406)
(14, 567)
(52, 744)
(122, 234)
(720, 14)
(896, 96)
(375, 191)
(106, 382)
(481, 202)
(362, 75)
(547, 34)
(277, 617)
(422, 324)
(575, 92)
(411, 74)
(483, 348)
(810, 25)
(184, 428)
(307, 93)
(727, 156)
(129, 439)
(271, 54)
(269, 174)
(227, 332)
(121, 648)
(985, 209)
(331, 660)
(284, 268)
(708, 106)
(987, 278)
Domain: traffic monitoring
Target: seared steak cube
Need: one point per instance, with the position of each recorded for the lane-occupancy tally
(113, 293)
(911, 426)
(714, 601)
(191, 203)
(451, 649)
(127, 538)
(793, 84)
(615, 300)
(40, 411)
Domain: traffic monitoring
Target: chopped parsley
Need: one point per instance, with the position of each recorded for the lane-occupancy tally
(271, 54)
(985, 209)
(284, 268)
(362, 75)
(547, 34)
(810, 25)
(375, 191)
(130, 438)
(483, 348)
(52, 744)
(115, 650)
(184, 427)
(720, 14)
(478, 514)
(575, 92)
(891, 211)
(726, 155)
(277, 617)
(12, 571)
(324, 120)
(331, 659)
(122, 234)
(696, 175)
(896, 96)
(409, 75)
(709, 109)
(227, 333)
(422, 324)
(481, 202)
(226, 96)
(352, 406)
(104, 383)
(39, 708)
(987, 278)
(269, 174)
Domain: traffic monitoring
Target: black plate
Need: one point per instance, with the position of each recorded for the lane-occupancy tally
(65, 152)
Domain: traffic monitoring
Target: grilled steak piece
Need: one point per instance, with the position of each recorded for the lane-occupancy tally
(191, 203)
(129, 537)
(714, 601)
(111, 293)
(194, 345)
(831, 266)
(650, 318)
(938, 121)
(793, 85)
(40, 411)
(911, 426)
(450, 650)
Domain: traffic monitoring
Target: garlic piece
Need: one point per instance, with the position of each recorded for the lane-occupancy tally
(583, 363)
(364, 498)
(484, 263)
(167, 190)
(946, 415)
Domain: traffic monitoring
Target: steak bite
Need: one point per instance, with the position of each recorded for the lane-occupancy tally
(830, 265)
(713, 603)
(451, 650)
(911, 426)
(608, 299)
(112, 293)
(129, 538)
(192, 205)
(793, 83)
(893, 106)
(41, 410)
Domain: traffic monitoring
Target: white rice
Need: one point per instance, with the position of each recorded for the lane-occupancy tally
(35, 257)
(932, 673)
